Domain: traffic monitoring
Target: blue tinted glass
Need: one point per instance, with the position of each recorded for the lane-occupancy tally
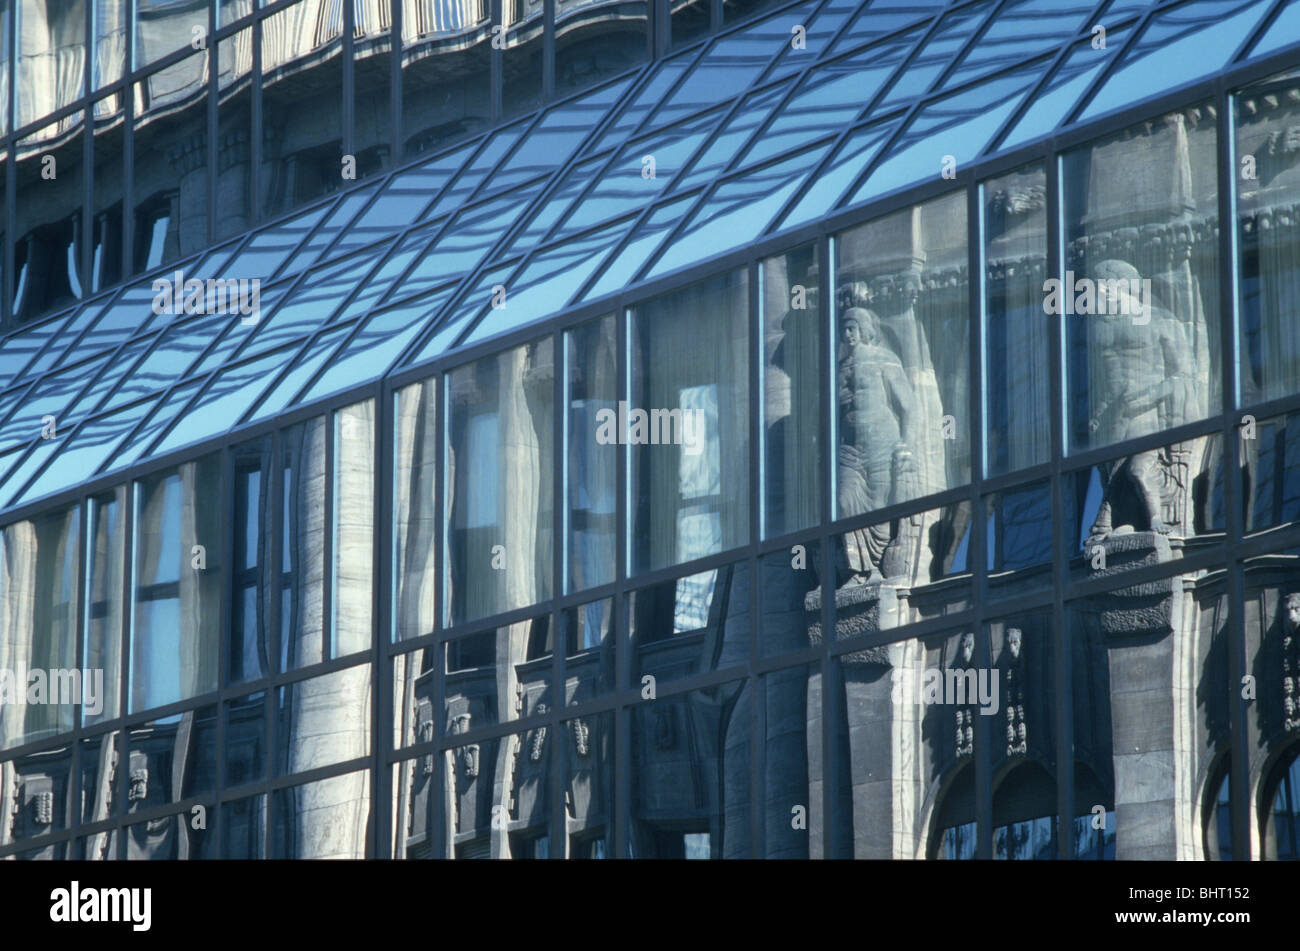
(958, 127)
(819, 31)
(389, 212)
(552, 142)
(467, 239)
(454, 321)
(726, 69)
(635, 113)
(1178, 47)
(66, 340)
(575, 181)
(1072, 78)
(231, 333)
(301, 369)
(627, 185)
(37, 457)
(551, 278)
(886, 16)
(1023, 29)
(828, 100)
(130, 313)
(738, 211)
(379, 342)
(1123, 8)
(17, 349)
(1283, 32)
(728, 143)
(344, 211)
(824, 193)
(647, 237)
(378, 284)
(422, 184)
(51, 396)
(954, 31)
(269, 248)
(226, 400)
(472, 175)
(86, 450)
(311, 303)
(160, 420)
(133, 385)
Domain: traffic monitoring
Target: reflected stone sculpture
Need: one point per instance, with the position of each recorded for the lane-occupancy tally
(875, 463)
(1291, 664)
(1013, 671)
(965, 714)
(1146, 386)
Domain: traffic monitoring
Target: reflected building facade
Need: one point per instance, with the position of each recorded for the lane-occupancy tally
(669, 444)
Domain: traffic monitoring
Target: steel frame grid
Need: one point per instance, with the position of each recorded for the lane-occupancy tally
(1260, 544)
(376, 188)
(645, 70)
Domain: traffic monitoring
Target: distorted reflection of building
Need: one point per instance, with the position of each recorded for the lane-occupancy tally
(652, 451)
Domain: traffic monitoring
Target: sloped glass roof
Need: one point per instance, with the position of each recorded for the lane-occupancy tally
(742, 136)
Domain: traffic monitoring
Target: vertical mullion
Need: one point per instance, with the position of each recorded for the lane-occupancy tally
(72, 807)
(128, 148)
(1061, 639)
(85, 255)
(346, 117)
(442, 389)
(381, 628)
(124, 663)
(975, 550)
(331, 527)
(395, 83)
(559, 585)
(1238, 720)
(255, 134)
(230, 511)
(826, 248)
(548, 51)
(620, 840)
(10, 182)
(496, 48)
(213, 150)
(757, 492)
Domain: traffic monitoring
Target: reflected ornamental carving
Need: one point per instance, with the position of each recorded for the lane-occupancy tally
(539, 737)
(581, 737)
(965, 715)
(426, 736)
(43, 807)
(1014, 673)
(466, 756)
(1291, 663)
(139, 788)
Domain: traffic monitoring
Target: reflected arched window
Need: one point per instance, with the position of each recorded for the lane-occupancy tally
(955, 829)
(1282, 841)
(1217, 817)
(1024, 814)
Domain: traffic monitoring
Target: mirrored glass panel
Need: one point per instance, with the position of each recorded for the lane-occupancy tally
(1139, 300)
(500, 463)
(688, 423)
(175, 624)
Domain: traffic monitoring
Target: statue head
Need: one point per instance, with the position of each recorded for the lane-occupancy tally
(1013, 642)
(967, 647)
(1119, 278)
(859, 325)
(1293, 610)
